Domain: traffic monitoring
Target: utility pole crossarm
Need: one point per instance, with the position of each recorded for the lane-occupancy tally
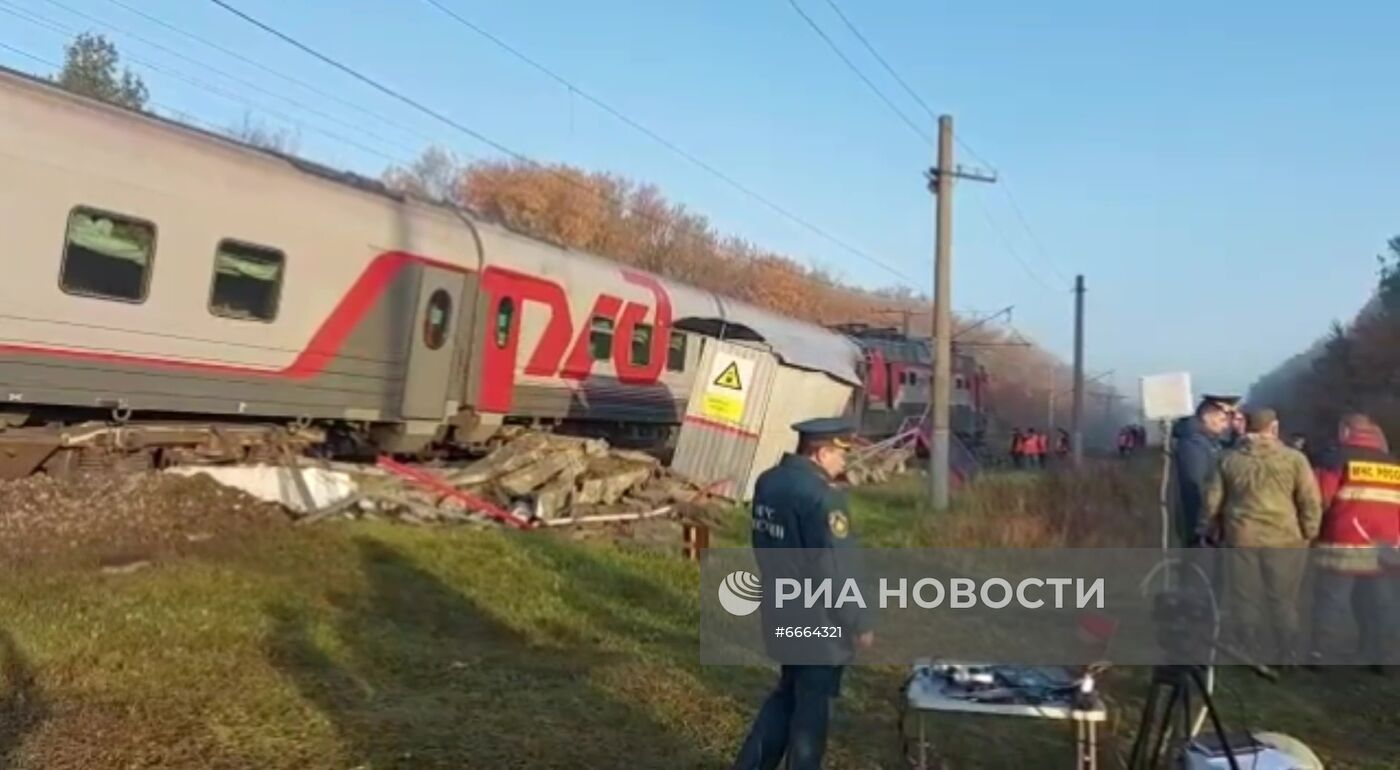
(960, 172)
(940, 183)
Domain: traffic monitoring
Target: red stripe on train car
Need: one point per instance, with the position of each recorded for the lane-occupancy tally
(325, 343)
(720, 426)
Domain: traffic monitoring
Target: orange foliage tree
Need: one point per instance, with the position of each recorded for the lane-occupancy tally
(636, 225)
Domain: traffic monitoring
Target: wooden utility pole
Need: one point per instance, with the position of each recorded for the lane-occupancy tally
(1077, 415)
(941, 183)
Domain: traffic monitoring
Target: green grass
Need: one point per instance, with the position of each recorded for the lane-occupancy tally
(376, 646)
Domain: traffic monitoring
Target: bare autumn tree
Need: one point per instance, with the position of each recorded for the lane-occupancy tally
(435, 175)
(253, 131)
(92, 67)
(1356, 367)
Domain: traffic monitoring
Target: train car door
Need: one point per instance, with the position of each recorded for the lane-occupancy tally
(432, 377)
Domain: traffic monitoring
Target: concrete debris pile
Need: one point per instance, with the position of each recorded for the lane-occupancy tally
(536, 479)
(878, 463)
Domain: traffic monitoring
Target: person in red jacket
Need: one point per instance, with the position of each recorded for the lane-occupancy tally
(1035, 448)
(1125, 441)
(1018, 447)
(1360, 485)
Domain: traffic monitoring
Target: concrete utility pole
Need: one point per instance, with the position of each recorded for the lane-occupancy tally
(1077, 416)
(941, 183)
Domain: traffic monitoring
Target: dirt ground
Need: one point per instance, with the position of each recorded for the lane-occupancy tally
(121, 520)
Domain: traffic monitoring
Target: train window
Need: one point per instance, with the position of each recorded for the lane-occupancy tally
(641, 345)
(505, 315)
(675, 352)
(437, 319)
(600, 338)
(107, 255)
(247, 281)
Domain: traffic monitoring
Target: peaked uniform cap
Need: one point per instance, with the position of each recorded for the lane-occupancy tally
(837, 430)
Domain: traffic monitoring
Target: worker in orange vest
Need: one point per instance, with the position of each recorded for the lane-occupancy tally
(1035, 448)
(1018, 447)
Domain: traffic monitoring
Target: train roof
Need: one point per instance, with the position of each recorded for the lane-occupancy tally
(797, 343)
(891, 343)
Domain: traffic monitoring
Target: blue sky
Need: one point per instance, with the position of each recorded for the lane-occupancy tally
(1222, 173)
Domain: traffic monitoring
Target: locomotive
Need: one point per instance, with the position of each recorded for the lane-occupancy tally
(896, 374)
(173, 294)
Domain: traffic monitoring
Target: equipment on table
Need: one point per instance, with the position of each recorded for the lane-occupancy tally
(1037, 692)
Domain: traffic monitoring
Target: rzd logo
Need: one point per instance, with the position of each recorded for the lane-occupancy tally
(740, 593)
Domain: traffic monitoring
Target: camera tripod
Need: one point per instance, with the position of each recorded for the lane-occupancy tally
(1168, 699)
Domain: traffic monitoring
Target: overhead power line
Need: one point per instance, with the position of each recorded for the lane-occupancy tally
(852, 27)
(299, 104)
(488, 141)
(376, 85)
(376, 115)
(60, 29)
(184, 116)
(870, 48)
(1035, 240)
(30, 56)
(1011, 247)
(653, 135)
(1010, 197)
(923, 134)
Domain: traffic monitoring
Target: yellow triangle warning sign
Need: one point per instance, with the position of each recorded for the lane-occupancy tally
(729, 378)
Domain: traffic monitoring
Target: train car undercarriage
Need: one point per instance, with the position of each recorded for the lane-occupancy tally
(31, 443)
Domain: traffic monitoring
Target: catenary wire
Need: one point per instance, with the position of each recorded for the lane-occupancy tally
(471, 132)
(923, 104)
(923, 134)
(376, 115)
(234, 78)
(208, 87)
(669, 144)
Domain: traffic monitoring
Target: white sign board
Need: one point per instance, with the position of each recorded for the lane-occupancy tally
(727, 387)
(1167, 396)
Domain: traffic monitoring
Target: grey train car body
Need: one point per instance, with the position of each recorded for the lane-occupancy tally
(155, 269)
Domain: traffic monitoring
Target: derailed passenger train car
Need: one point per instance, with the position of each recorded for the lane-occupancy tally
(171, 291)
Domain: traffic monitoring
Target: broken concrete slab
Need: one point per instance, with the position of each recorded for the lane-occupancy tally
(526, 479)
(278, 484)
(608, 486)
(553, 498)
(514, 455)
(634, 456)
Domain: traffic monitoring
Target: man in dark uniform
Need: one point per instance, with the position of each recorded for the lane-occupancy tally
(796, 506)
(1196, 443)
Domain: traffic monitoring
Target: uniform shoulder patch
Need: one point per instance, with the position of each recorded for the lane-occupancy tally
(839, 525)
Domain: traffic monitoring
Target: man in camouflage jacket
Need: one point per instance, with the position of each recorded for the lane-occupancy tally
(1263, 504)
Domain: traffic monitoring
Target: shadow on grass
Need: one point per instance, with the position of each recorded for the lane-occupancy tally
(714, 703)
(414, 674)
(22, 708)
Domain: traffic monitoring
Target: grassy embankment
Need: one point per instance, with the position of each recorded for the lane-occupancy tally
(379, 646)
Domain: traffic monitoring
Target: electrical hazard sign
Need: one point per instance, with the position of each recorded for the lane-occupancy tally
(730, 377)
(727, 389)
